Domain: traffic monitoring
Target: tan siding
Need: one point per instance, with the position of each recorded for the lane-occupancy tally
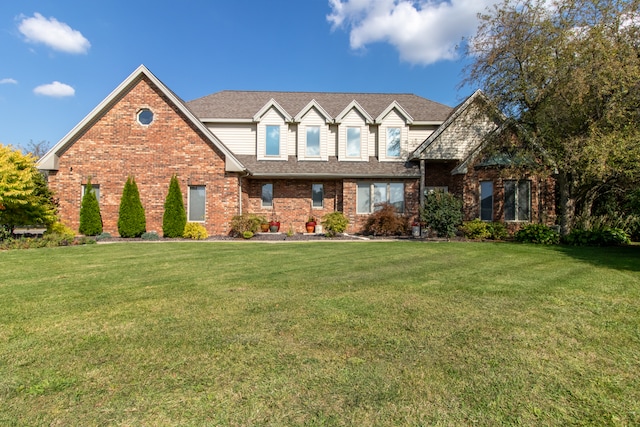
(353, 119)
(312, 118)
(417, 135)
(392, 120)
(239, 138)
(272, 117)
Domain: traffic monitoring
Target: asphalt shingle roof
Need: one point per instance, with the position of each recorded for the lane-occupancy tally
(230, 104)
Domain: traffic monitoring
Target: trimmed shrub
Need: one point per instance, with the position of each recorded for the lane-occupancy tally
(476, 229)
(175, 216)
(103, 236)
(537, 233)
(386, 222)
(90, 218)
(246, 222)
(5, 232)
(60, 229)
(497, 230)
(604, 236)
(131, 219)
(442, 212)
(150, 235)
(334, 223)
(247, 234)
(194, 230)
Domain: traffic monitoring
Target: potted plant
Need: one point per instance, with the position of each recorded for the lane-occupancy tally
(264, 226)
(311, 225)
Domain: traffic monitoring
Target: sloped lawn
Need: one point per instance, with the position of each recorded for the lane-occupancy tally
(335, 333)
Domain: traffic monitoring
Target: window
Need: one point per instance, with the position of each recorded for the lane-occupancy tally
(145, 116)
(517, 200)
(196, 203)
(313, 141)
(369, 195)
(317, 195)
(267, 195)
(353, 142)
(95, 189)
(393, 142)
(273, 140)
(486, 200)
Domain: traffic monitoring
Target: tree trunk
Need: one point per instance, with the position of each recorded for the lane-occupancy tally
(567, 203)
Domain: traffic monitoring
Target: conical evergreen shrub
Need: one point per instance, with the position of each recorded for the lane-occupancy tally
(175, 216)
(131, 219)
(90, 218)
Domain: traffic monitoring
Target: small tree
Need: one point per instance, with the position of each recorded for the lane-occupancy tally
(442, 212)
(175, 216)
(131, 219)
(90, 218)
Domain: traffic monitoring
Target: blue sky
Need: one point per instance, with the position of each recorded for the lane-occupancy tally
(60, 58)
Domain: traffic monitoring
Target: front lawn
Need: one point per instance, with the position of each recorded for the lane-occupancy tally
(331, 333)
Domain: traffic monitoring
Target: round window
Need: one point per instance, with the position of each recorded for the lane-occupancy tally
(145, 116)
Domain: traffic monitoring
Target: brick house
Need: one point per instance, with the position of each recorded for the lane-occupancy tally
(288, 155)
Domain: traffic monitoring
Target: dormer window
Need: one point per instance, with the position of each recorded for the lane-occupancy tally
(354, 142)
(273, 140)
(393, 142)
(313, 141)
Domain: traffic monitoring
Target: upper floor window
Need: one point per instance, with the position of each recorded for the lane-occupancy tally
(273, 140)
(313, 141)
(354, 144)
(145, 116)
(517, 200)
(393, 142)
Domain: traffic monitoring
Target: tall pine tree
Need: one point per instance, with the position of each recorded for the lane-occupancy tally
(131, 219)
(90, 218)
(175, 216)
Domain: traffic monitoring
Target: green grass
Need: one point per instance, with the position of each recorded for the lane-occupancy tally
(384, 333)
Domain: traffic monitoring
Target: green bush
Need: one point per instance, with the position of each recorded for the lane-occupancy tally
(131, 218)
(247, 234)
(334, 223)
(386, 222)
(103, 236)
(90, 218)
(150, 235)
(60, 228)
(537, 233)
(497, 230)
(604, 236)
(476, 229)
(194, 230)
(442, 212)
(175, 217)
(246, 222)
(5, 232)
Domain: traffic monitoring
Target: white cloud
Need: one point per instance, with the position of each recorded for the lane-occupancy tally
(8, 81)
(423, 31)
(55, 89)
(53, 33)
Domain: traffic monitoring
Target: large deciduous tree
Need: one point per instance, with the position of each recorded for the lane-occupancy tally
(568, 71)
(25, 198)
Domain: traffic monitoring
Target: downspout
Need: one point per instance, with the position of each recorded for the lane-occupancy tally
(423, 169)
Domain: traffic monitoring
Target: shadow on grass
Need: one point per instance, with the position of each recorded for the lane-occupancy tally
(618, 258)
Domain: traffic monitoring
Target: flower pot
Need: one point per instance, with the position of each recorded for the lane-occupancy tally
(311, 227)
(274, 226)
(264, 227)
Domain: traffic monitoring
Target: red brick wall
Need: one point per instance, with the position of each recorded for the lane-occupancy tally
(542, 195)
(291, 201)
(116, 146)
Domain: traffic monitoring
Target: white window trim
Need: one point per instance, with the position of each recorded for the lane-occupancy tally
(515, 201)
(493, 201)
(322, 202)
(372, 203)
(189, 204)
(262, 205)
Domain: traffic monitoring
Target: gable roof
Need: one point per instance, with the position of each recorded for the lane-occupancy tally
(50, 160)
(230, 105)
(429, 148)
